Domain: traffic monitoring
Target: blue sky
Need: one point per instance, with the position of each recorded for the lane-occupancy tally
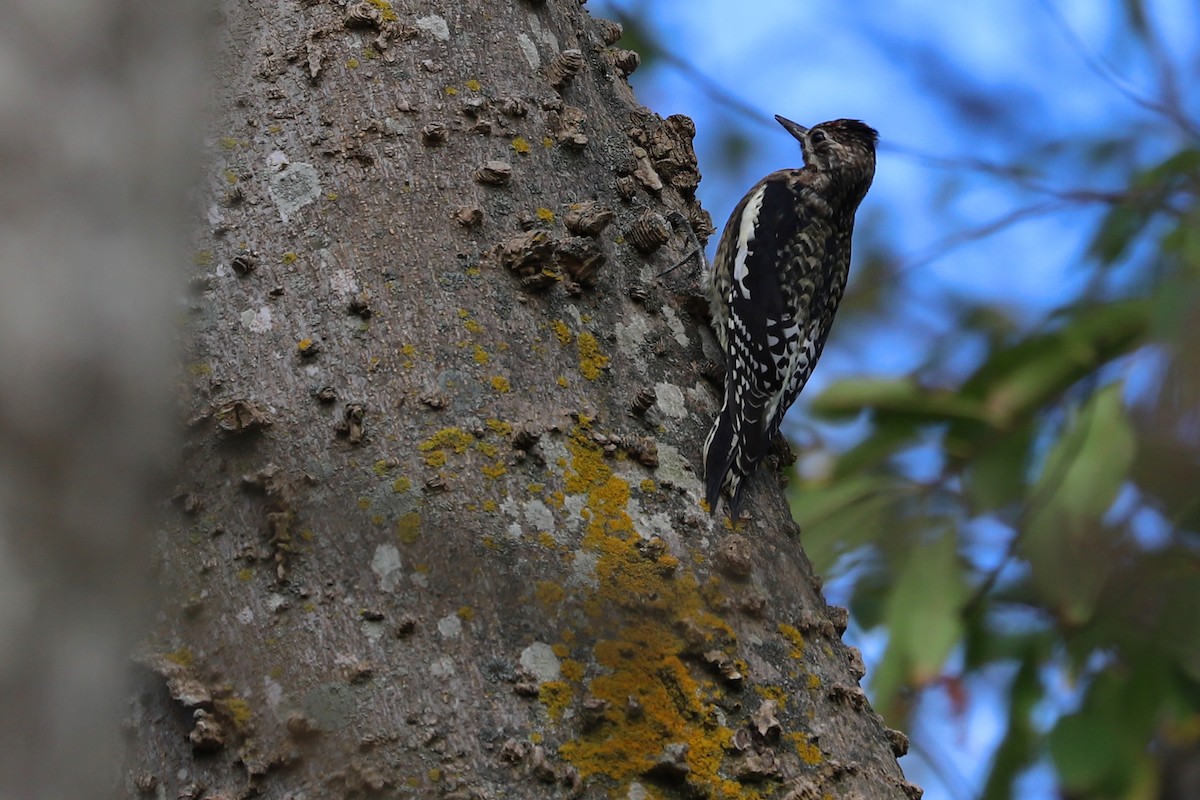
(1008, 83)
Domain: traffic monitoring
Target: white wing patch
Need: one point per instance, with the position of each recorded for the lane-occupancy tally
(745, 236)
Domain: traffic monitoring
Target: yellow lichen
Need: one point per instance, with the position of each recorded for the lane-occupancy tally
(648, 486)
(488, 449)
(401, 485)
(638, 598)
(386, 12)
(572, 670)
(383, 467)
(795, 637)
(455, 439)
(466, 613)
(555, 696)
(237, 710)
(548, 593)
(363, 503)
(474, 85)
(500, 384)
(498, 426)
(561, 331)
(451, 90)
(245, 574)
(547, 142)
(352, 63)
(545, 215)
(521, 145)
(199, 368)
(435, 458)
(493, 471)
(809, 753)
(546, 540)
(560, 650)
(481, 355)
(202, 258)
(591, 360)
(183, 657)
(490, 506)
(228, 143)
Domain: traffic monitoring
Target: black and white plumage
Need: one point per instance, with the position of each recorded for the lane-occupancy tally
(777, 280)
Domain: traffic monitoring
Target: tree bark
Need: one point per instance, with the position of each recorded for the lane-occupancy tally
(440, 530)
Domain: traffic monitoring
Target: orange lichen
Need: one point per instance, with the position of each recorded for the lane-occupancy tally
(634, 612)
(555, 696)
(572, 669)
(548, 594)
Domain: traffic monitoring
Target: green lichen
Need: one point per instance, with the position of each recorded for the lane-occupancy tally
(408, 527)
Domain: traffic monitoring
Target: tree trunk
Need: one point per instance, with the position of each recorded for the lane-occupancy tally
(440, 531)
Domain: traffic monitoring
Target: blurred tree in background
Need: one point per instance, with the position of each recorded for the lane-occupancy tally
(1022, 509)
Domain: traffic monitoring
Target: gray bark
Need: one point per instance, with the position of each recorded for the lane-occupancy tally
(440, 532)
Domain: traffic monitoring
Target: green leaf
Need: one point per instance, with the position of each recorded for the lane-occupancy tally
(1067, 547)
(1020, 381)
(841, 516)
(996, 477)
(901, 398)
(924, 616)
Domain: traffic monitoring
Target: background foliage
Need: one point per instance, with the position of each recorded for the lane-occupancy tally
(1000, 467)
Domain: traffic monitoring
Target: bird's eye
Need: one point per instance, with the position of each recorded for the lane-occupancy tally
(817, 137)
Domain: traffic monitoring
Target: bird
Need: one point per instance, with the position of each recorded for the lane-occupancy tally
(774, 287)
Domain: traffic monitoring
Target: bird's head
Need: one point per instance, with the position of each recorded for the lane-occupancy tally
(839, 146)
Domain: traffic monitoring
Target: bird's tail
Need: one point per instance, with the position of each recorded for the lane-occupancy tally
(735, 445)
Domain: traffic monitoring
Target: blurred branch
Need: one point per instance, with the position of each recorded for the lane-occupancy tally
(1171, 109)
(956, 240)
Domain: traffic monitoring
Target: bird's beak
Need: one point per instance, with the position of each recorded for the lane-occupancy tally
(794, 129)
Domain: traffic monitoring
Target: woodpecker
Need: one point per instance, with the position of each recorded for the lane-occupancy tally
(774, 287)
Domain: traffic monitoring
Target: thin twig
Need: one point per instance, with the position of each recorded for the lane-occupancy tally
(1109, 75)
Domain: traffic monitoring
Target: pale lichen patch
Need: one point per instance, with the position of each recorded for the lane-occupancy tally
(540, 660)
(436, 25)
(386, 564)
(669, 399)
